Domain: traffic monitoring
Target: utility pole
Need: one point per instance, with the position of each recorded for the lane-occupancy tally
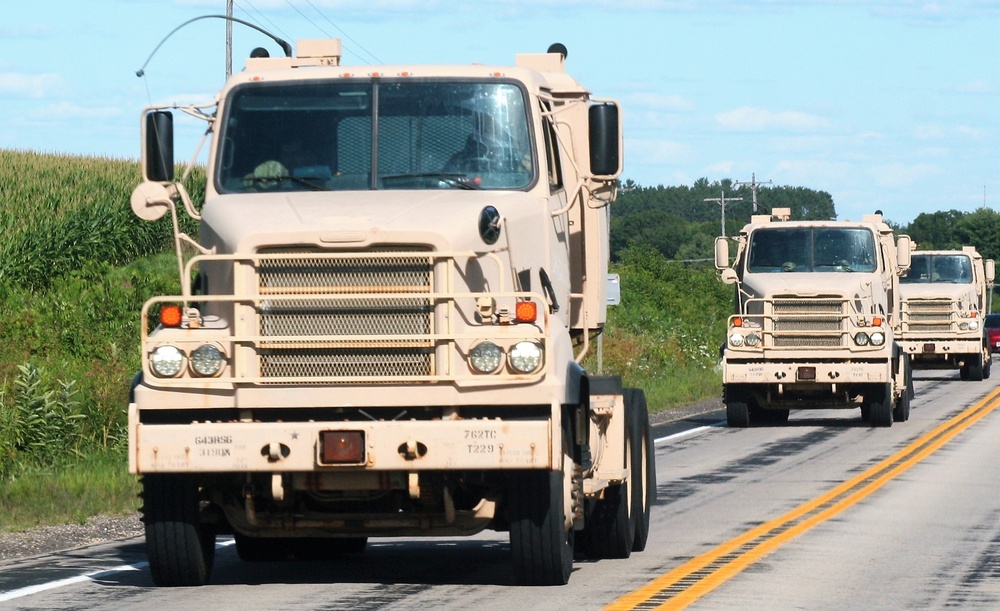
(753, 187)
(229, 38)
(722, 202)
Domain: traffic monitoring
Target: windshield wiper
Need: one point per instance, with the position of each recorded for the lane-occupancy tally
(266, 182)
(454, 179)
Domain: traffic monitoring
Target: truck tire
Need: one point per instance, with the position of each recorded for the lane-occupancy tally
(987, 364)
(181, 549)
(262, 549)
(879, 401)
(643, 467)
(901, 412)
(975, 365)
(541, 545)
(610, 525)
(737, 414)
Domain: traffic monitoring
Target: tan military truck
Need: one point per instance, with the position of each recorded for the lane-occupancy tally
(816, 302)
(381, 325)
(945, 299)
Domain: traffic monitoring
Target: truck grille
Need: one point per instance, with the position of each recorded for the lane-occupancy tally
(928, 316)
(805, 323)
(368, 312)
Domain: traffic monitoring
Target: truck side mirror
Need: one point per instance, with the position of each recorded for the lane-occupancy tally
(904, 250)
(991, 270)
(605, 141)
(158, 146)
(721, 253)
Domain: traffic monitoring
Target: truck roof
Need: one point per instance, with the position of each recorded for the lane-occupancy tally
(320, 59)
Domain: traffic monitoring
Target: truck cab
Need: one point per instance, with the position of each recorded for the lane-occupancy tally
(816, 303)
(380, 326)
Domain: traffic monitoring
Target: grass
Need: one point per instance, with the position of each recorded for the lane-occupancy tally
(68, 492)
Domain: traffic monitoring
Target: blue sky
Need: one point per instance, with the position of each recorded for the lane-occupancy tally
(890, 104)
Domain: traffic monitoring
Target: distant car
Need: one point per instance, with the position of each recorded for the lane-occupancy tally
(992, 323)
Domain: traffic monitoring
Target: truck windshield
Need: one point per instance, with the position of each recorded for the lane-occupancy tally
(811, 249)
(950, 269)
(383, 134)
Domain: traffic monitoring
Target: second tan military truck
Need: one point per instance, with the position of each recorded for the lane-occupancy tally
(945, 299)
(380, 332)
(815, 306)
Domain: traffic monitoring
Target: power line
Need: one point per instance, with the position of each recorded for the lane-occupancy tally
(753, 187)
(722, 201)
(346, 35)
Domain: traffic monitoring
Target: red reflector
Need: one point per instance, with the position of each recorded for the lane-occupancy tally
(526, 311)
(341, 447)
(170, 315)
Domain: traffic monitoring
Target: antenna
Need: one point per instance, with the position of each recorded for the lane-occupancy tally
(287, 48)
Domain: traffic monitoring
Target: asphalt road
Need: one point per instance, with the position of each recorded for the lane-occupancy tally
(822, 513)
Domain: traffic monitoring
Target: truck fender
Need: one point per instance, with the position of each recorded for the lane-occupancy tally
(136, 380)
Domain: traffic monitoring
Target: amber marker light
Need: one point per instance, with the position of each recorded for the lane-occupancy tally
(170, 315)
(737, 322)
(877, 322)
(342, 447)
(526, 311)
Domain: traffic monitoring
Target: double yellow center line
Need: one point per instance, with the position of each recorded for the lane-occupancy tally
(702, 574)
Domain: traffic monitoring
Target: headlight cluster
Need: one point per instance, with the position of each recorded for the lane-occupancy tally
(749, 339)
(523, 357)
(205, 361)
(876, 338)
(972, 325)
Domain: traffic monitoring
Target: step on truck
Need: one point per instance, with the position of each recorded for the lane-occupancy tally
(815, 307)
(380, 328)
(945, 299)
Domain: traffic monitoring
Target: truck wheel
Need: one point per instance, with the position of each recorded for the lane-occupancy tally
(975, 365)
(262, 549)
(181, 549)
(610, 522)
(737, 414)
(541, 539)
(326, 548)
(901, 412)
(643, 469)
(987, 364)
(879, 402)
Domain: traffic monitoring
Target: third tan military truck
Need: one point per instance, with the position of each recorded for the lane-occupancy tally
(380, 332)
(815, 306)
(945, 299)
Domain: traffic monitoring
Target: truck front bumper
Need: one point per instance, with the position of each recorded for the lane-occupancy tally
(410, 445)
(805, 373)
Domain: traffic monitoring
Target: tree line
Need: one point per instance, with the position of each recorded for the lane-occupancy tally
(680, 224)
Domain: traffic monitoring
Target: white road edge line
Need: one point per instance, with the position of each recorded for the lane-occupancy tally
(696, 429)
(52, 585)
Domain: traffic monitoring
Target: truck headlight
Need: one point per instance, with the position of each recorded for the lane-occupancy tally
(486, 357)
(207, 360)
(752, 340)
(525, 357)
(166, 361)
(736, 340)
(861, 338)
(878, 338)
(973, 325)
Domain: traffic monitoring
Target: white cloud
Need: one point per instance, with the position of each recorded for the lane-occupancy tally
(894, 175)
(31, 85)
(71, 110)
(661, 102)
(656, 152)
(977, 88)
(748, 119)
